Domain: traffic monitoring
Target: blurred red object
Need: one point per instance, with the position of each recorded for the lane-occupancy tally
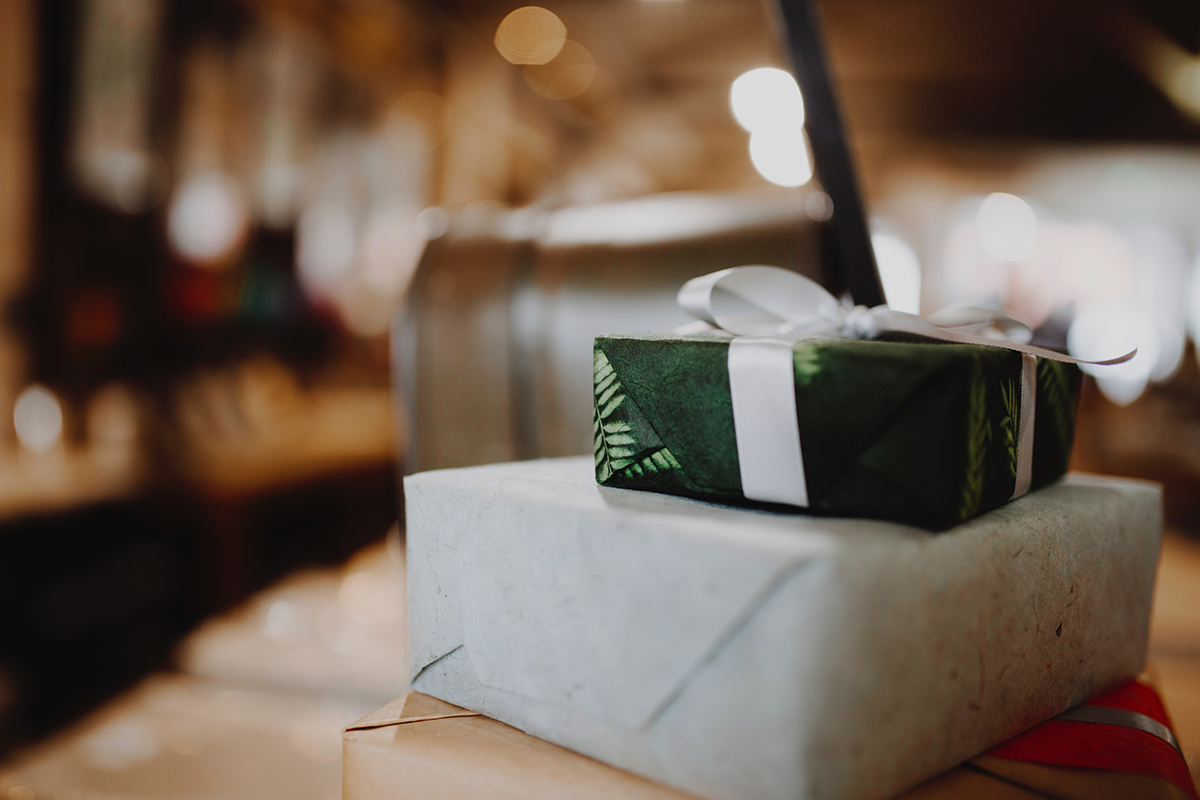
(94, 318)
(193, 295)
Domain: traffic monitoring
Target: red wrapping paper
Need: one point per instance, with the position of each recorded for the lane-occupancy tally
(1090, 745)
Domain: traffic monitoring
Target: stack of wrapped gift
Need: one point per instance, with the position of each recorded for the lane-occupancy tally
(801, 564)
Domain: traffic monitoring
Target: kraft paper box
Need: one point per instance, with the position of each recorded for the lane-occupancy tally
(918, 432)
(751, 655)
(420, 748)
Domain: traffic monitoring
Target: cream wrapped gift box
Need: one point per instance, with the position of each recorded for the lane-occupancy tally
(747, 655)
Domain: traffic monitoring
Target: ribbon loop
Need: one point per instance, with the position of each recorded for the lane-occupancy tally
(786, 304)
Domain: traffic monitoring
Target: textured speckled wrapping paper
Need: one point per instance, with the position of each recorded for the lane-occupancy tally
(923, 433)
(752, 655)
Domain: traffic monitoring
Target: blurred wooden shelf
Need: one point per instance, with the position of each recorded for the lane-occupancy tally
(63, 479)
(335, 430)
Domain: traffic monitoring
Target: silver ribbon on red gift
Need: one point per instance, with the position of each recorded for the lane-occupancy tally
(774, 309)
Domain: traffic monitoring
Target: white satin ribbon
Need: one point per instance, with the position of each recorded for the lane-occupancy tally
(1025, 425)
(787, 305)
(762, 385)
(781, 307)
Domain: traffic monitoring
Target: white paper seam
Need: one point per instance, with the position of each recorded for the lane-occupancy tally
(762, 386)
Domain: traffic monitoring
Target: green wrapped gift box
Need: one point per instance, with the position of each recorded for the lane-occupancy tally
(925, 433)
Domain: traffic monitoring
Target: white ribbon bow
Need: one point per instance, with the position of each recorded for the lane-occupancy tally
(781, 307)
(787, 305)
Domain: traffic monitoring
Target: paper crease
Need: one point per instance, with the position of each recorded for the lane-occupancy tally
(748, 613)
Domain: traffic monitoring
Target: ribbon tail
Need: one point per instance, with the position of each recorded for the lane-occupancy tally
(1028, 407)
(896, 322)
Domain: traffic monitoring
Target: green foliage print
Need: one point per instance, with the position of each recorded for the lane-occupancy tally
(1012, 416)
(613, 441)
(660, 460)
(1055, 388)
(979, 434)
(808, 362)
(616, 447)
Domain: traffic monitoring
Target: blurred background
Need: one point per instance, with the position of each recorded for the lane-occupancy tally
(258, 258)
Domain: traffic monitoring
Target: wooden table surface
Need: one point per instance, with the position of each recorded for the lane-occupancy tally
(1175, 639)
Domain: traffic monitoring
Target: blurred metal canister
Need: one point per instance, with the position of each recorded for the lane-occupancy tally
(492, 354)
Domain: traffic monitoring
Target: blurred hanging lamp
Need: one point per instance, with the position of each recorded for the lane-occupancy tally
(800, 25)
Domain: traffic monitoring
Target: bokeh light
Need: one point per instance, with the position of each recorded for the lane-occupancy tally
(278, 184)
(566, 76)
(418, 122)
(365, 310)
(593, 106)
(1161, 290)
(1111, 329)
(112, 416)
(1007, 226)
(432, 223)
(818, 206)
(530, 35)
(1124, 283)
(286, 624)
(372, 597)
(121, 745)
(899, 271)
(781, 156)
(135, 182)
(207, 219)
(38, 419)
(1182, 83)
(325, 247)
(390, 248)
(1192, 303)
(767, 99)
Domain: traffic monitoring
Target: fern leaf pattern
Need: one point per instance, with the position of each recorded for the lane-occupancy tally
(616, 445)
(658, 461)
(1012, 415)
(979, 434)
(612, 439)
(1055, 388)
(808, 362)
